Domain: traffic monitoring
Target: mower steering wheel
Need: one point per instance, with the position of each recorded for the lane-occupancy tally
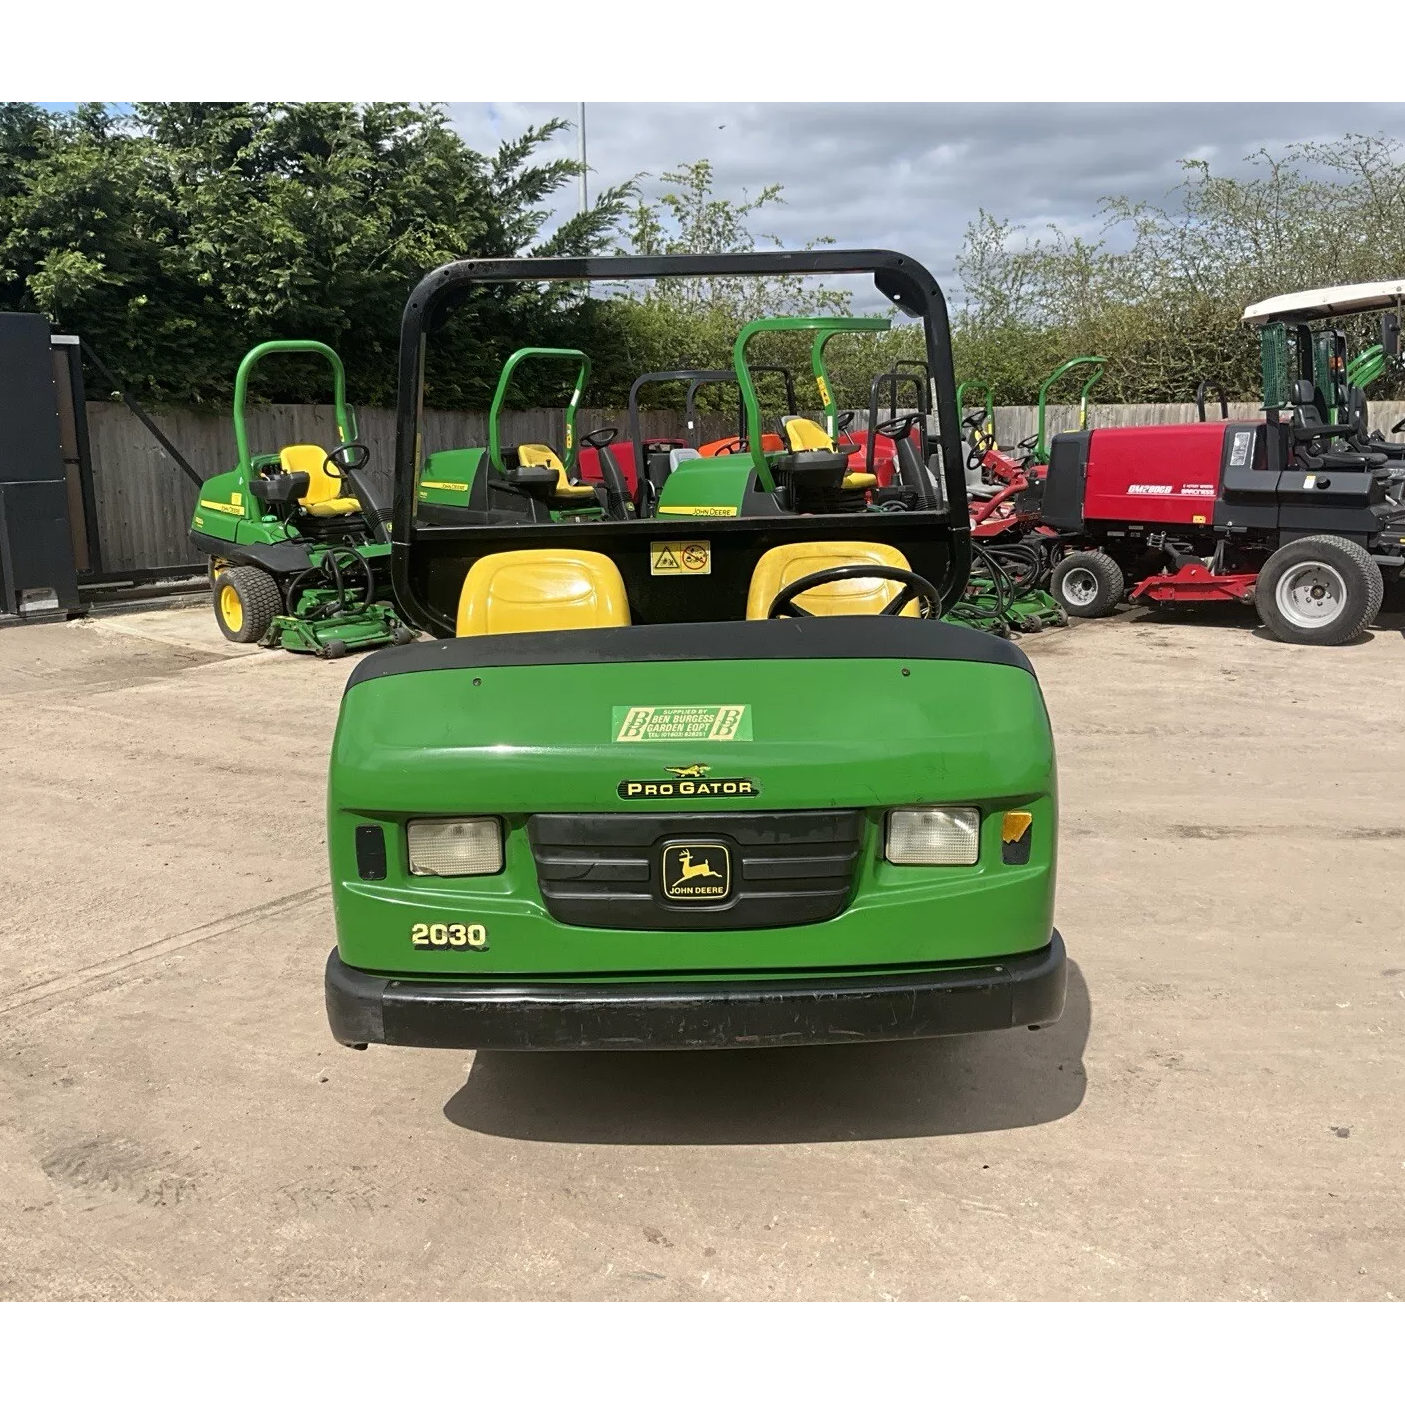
(733, 446)
(1397, 426)
(598, 438)
(338, 463)
(1028, 443)
(899, 428)
(915, 587)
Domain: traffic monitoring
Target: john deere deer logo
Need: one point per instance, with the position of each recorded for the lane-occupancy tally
(689, 869)
(696, 872)
(694, 772)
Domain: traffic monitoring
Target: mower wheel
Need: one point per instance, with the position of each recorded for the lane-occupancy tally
(246, 599)
(403, 635)
(334, 649)
(1088, 584)
(1319, 590)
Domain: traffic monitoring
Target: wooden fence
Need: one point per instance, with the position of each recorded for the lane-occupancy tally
(144, 502)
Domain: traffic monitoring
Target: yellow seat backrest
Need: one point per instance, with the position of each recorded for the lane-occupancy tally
(805, 434)
(783, 565)
(311, 459)
(544, 456)
(518, 592)
(539, 456)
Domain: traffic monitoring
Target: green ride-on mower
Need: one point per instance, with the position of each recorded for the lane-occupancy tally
(522, 482)
(718, 781)
(299, 553)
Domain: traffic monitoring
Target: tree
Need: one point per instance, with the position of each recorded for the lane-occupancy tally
(693, 322)
(1162, 291)
(175, 238)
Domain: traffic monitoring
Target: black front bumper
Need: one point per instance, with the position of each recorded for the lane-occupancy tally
(735, 1014)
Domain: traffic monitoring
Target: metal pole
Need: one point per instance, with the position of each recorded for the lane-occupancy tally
(581, 130)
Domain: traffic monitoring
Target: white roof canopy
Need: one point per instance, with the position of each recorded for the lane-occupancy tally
(1327, 302)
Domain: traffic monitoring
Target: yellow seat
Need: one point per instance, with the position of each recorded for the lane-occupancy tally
(805, 434)
(324, 490)
(519, 592)
(543, 456)
(783, 565)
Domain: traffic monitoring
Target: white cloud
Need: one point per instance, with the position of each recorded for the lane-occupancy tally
(911, 175)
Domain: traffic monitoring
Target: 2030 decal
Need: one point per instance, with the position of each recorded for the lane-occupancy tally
(473, 935)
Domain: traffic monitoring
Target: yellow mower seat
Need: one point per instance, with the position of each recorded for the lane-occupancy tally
(519, 592)
(324, 490)
(543, 456)
(803, 434)
(782, 565)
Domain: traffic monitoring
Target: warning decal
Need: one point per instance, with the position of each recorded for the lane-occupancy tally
(718, 722)
(680, 558)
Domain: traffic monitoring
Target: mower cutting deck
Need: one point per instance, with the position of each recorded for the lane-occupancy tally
(632, 795)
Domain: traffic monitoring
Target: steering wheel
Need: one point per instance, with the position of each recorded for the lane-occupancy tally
(844, 420)
(733, 446)
(598, 438)
(1397, 426)
(915, 587)
(337, 462)
(899, 428)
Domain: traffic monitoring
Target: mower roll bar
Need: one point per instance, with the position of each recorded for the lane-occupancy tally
(826, 328)
(791, 403)
(822, 339)
(505, 381)
(901, 279)
(1041, 443)
(346, 421)
(1202, 390)
(892, 378)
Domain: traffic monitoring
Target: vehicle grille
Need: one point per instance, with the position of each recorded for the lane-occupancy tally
(788, 867)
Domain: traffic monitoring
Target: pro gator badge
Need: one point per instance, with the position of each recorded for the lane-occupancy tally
(689, 783)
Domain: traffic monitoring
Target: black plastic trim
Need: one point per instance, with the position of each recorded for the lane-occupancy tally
(279, 558)
(829, 637)
(786, 868)
(709, 1014)
(370, 852)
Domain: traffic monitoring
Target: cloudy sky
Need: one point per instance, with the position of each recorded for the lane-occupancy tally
(910, 176)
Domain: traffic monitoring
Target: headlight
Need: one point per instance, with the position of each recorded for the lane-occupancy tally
(950, 835)
(456, 848)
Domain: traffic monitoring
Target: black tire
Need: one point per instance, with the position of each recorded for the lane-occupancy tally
(1319, 590)
(403, 635)
(334, 649)
(1088, 584)
(246, 611)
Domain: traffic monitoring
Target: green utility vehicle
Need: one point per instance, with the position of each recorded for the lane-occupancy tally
(718, 781)
(296, 559)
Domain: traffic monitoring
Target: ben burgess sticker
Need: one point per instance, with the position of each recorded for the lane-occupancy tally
(702, 722)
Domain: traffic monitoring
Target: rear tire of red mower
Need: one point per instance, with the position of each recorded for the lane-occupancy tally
(1319, 590)
(246, 599)
(1088, 584)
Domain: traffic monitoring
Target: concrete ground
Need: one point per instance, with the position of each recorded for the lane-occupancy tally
(1218, 1114)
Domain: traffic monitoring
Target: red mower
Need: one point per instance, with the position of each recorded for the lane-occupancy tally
(1299, 512)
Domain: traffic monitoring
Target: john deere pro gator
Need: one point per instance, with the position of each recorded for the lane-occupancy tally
(692, 781)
